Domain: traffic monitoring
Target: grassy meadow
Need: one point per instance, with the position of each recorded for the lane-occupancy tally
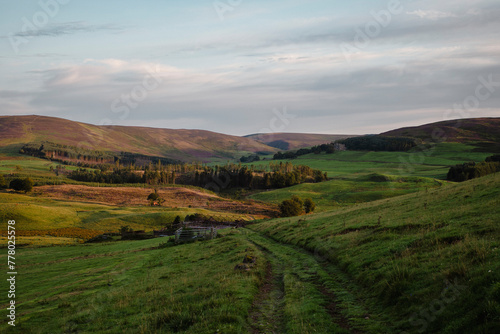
(392, 248)
(34, 213)
(358, 176)
(134, 287)
(429, 260)
(421, 262)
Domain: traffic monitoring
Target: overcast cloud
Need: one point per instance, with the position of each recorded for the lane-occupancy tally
(333, 66)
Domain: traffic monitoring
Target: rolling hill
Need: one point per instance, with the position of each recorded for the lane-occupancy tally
(200, 145)
(485, 130)
(292, 141)
(184, 145)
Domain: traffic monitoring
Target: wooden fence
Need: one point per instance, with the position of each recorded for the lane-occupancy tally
(195, 233)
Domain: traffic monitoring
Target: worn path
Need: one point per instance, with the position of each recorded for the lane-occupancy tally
(303, 294)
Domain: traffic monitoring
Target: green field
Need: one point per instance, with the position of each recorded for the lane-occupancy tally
(350, 173)
(133, 287)
(37, 213)
(422, 262)
(130, 287)
(429, 260)
(392, 248)
(340, 192)
(15, 164)
(433, 162)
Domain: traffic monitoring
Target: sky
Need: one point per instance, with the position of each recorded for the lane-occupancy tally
(251, 66)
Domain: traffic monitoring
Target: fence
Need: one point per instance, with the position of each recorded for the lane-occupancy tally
(195, 233)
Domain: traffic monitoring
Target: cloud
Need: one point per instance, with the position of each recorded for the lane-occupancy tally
(420, 65)
(241, 101)
(431, 14)
(69, 28)
(8, 94)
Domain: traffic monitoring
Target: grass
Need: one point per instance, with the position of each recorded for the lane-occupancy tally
(406, 254)
(131, 287)
(152, 286)
(433, 162)
(38, 213)
(350, 173)
(337, 193)
(426, 261)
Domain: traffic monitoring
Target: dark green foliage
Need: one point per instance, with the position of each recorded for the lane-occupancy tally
(291, 207)
(250, 158)
(177, 220)
(153, 196)
(327, 148)
(493, 158)
(82, 157)
(375, 177)
(472, 170)
(3, 183)
(125, 229)
(235, 176)
(117, 176)
(379, 143)
(296, 206)
(25, 185)
(309, 205)
(215, 178)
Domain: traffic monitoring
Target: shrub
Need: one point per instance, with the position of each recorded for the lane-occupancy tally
(25, 185)
(291, 207)
(309, 205)
(3, 183)
(125, 229)
(153, 196)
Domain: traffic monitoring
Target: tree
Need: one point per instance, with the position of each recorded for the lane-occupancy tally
(291, 207)
(3, 183)
(309, 205)
(177, 220)
(154, 198)
(25, 185)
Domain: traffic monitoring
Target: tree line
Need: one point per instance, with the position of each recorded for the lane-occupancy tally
(323, 148)
(380, 143)
(363, 143)
(277, 175)
(81, 157)
(236, 176)
(472, 170)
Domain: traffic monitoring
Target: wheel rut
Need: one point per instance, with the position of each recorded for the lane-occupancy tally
(267, 312)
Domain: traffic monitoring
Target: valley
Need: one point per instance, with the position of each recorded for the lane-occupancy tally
(392, 247)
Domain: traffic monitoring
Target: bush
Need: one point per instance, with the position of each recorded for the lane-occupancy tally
(153, 196)
(472, 170)
(3, 183)
(25, 185)
(309, 205)
(291, 207)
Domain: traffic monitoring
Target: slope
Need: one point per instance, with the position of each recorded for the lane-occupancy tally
(184, 145)
(429, 261)
(292, 141)
(485, 130)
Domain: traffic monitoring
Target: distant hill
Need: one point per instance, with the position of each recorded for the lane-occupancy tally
(485, 130)
(183, 145)
(293, 141)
